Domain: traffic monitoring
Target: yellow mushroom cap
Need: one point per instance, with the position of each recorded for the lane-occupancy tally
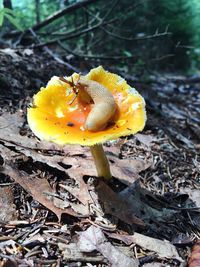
(53, 118)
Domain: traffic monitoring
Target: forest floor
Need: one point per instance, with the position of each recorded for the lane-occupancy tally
(55, 212)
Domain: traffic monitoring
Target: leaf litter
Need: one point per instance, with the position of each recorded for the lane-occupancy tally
(76, 162)
(146, 195)
(94, 239)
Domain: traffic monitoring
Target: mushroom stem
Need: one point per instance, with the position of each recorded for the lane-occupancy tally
(101, 161)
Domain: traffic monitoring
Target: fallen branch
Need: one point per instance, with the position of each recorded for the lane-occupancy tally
(53, 17)
(61, 13)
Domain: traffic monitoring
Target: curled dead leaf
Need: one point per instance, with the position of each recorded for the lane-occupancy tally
(94, 239)
(163, 248)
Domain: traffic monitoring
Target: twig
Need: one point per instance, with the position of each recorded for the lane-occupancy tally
(59, 60)
(111, 9)
(72, 35)
(102, 57)
(56, 33)
(155, 35)
(161, 58)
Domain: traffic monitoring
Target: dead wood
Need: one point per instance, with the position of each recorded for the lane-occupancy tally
(53, 17)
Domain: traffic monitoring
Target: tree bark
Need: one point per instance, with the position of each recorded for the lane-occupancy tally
(7, 4)
(37, 11)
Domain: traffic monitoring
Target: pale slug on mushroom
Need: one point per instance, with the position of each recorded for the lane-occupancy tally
(104, 104)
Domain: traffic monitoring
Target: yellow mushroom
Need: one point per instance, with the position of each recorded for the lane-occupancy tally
(105, 108)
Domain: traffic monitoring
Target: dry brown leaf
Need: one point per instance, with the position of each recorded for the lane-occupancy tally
(61, 204)
(126, 170)
(94, 239)
(194, 260)
(10, 126)
(145, 205)
(7, 206)
(38, 188)
(146, 139)
(9, 263)
(115, 205)
(163, 248)
(194, 194)
(78, 208)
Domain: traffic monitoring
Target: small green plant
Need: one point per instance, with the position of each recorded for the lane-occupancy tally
(10, 15)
